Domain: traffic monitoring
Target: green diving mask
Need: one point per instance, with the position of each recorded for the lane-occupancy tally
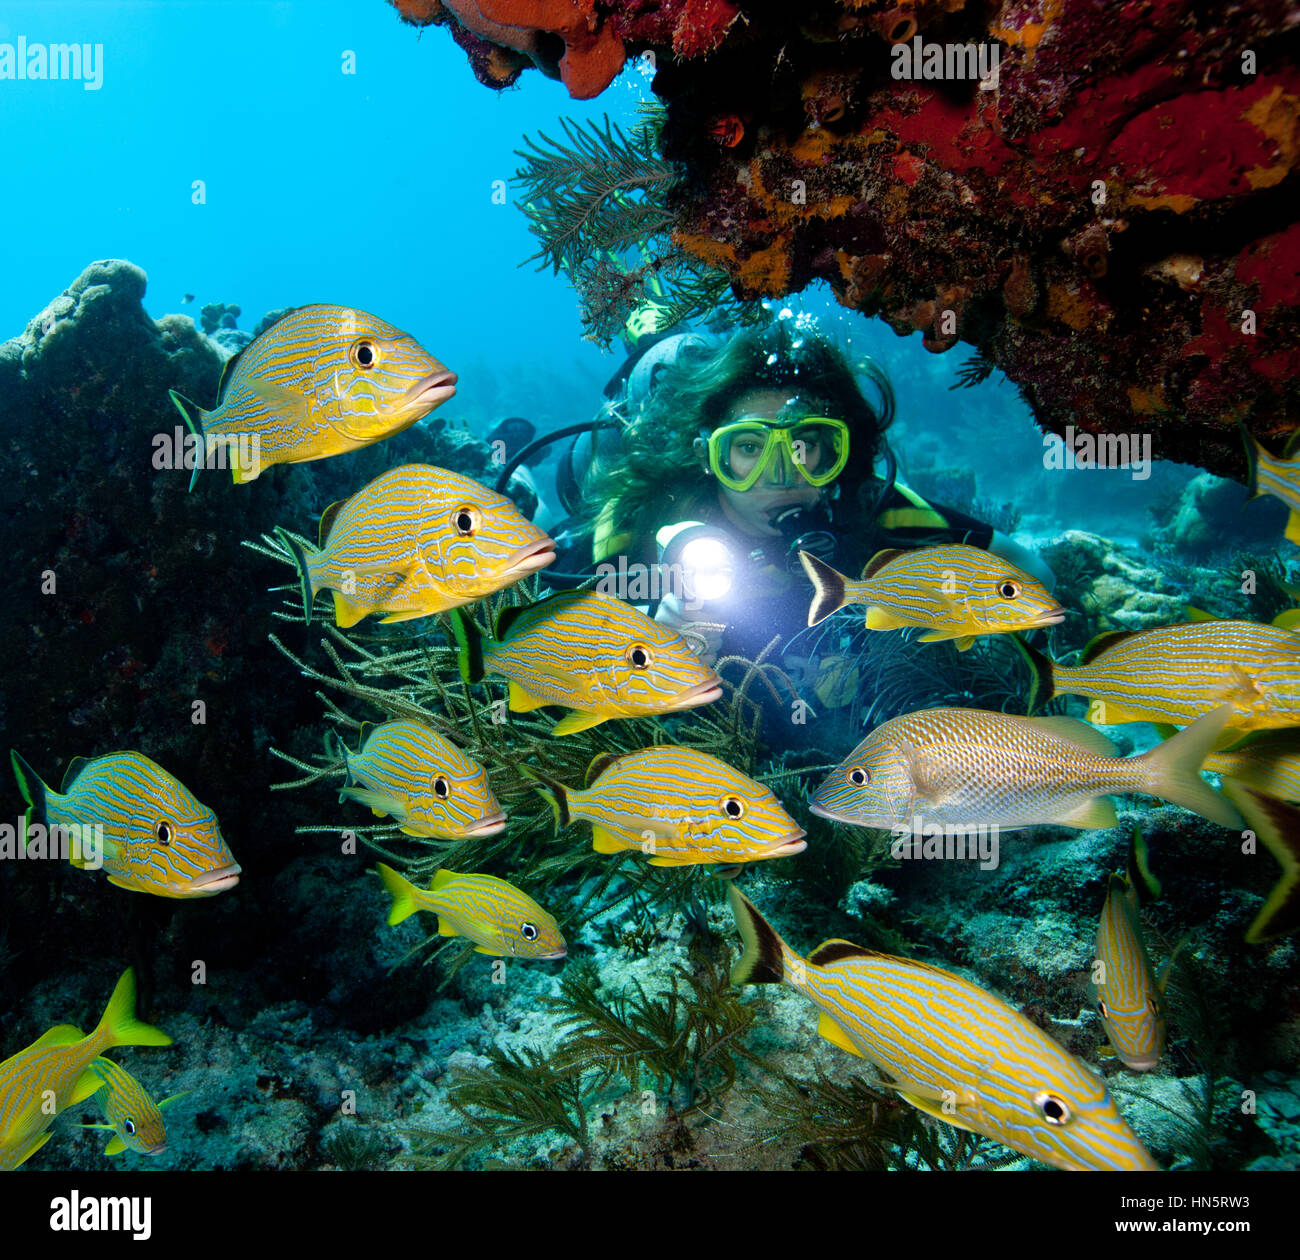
(741, 452)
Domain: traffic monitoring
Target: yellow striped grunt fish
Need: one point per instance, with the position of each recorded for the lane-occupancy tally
(156, 837)
(422, 781)
(1268, 761)
(498, 917)
(1269, 475)
(1277, 824)
(594, 653)
(1129, 996)
(973, 767)
(134, 1118)
(955, 592)
(53, 1073)
(417, 540)
(322, 381)
(1178, 673)
(948, 1047)
(681, 806)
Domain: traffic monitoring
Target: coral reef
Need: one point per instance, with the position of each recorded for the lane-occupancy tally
(143, 617)
(1104, 215)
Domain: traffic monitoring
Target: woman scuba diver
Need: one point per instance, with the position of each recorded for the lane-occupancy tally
(744, 454)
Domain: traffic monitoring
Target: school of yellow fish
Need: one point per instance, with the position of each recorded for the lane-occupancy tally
(420, 540)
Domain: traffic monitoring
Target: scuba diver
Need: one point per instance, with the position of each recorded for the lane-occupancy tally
(744, 454)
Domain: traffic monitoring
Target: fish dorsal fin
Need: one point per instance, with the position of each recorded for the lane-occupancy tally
(327, 519)
(1077, 732)
(599, 764)
(228, 372)
(1288, 620)
(60, 1035)
(1139, 868)
(837, 950)
(367, 730)
(1198, 614)
(879, 560)
(75, 767)
(441, 878)
(507, 618)
(1100, 643)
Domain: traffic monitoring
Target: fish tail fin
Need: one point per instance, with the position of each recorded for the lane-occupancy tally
(30, 785)
(193, 415)
(402, 892)
(1252, 461)
(305, 574)
(763, 958)
(1174, 769)
(555, 794)
(828, 588)
(1140, 876)
(469, 646)
(1042, 675)
(120, 1026)
(1278, 825)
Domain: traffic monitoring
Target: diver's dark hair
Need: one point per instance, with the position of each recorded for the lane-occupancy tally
(658, 479)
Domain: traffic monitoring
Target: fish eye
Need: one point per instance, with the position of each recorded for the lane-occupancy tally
(1009, 590)
(638, 656)
(466, 521)
(1103, 1010)
(441, 788)
(163, 831)
(364, 353)
(529, 930)
(1153, 1006)
(1053, 1108)
(733, 807)
(128, 1126)
(859, 777)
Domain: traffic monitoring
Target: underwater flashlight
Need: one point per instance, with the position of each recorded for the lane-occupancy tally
(702, 564)
(708, 568)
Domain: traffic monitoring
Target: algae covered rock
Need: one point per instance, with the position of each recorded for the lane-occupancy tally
(1107, 588)
(1212, 510)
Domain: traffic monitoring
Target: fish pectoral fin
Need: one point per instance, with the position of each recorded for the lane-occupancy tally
(833, 1032)
(1108, 713)
(932, 1108)
(1097, 813)
(965, 643)
(87, 1083)
(577, 720)
(660, 860)
(380, 803)
(446, 927)
(1239, 689)
(484, 949)
(115, 1146)
(879, 619)
(283, 399)
(522, 701)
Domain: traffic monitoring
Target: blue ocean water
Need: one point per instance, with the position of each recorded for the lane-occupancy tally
(376, 188)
